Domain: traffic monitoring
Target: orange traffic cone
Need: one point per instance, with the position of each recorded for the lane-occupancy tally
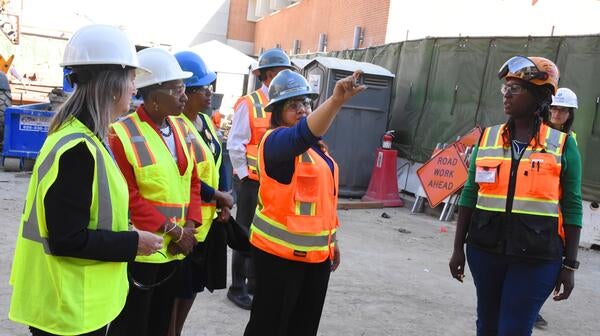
(383, 186)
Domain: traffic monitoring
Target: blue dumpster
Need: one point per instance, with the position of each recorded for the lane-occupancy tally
(25, 130)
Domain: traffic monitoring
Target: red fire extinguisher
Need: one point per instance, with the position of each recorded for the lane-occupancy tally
(388, 137)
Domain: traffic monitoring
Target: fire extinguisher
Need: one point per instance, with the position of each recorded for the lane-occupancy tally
(388, 137)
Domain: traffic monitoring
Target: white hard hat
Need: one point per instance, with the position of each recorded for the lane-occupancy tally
(565, 97)
(162, 64)
(100, 44)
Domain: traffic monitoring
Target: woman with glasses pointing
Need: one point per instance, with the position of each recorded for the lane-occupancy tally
(152, 149)
(520, 211)
(293, 233)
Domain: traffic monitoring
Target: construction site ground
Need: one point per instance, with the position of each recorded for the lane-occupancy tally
(393, 280)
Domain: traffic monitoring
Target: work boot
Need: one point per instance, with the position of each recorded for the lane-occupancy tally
(540, 322)
(239, 298)
(251, 286)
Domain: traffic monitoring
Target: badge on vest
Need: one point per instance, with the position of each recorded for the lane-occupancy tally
(486, 174)
(300, 253)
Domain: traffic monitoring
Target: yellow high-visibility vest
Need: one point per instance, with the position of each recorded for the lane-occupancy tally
(66, 295)
(207, 167)
(156, 174)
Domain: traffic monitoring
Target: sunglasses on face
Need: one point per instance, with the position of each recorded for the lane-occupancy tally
(199, 89)
(296, 105)
(514, 89)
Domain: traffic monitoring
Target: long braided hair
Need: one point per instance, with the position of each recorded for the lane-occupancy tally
(543, 98)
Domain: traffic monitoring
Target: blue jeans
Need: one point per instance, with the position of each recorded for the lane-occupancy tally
(510, 293)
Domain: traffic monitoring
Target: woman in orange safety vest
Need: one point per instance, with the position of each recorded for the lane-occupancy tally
(520, 211)
(294, 228)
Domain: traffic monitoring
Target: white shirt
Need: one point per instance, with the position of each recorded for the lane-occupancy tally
(239, 137)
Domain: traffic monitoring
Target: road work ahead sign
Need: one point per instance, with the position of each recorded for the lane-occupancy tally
(442, 175)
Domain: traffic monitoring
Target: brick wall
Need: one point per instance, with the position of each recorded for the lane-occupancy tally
(238, 27)
(336, 18)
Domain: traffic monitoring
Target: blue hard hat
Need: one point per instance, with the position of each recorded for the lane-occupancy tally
(272, 58)
(288, 84)
(190, 61)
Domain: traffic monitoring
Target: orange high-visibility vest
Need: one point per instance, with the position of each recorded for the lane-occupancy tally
(297, 221)
(537, 190)
(259, 123)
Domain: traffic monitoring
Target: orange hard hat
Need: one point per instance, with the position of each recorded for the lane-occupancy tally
(536, 70)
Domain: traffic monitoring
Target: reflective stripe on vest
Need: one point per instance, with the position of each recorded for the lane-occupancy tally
(297, 221)
(259, 121)
(159, 183)
(142, 152)
(67, 295)
(297, 241)
(31, 225)
(537, 190)
(207, 169)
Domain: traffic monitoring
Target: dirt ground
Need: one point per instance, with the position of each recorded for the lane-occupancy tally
(389, 282)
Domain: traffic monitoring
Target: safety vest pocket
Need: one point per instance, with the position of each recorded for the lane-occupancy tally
(307, 188)
(486, 229)
(534, 237)
(487, 173)
(154, 181)
(544, 176)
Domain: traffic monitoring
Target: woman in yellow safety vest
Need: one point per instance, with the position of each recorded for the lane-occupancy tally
(520, 211)
(206, 266)
(294, 228)
(69, 272)
(151, 147)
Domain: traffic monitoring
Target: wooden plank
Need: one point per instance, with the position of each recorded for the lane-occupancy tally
(347, 204)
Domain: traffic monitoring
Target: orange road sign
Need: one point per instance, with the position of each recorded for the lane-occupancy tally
(442, 175)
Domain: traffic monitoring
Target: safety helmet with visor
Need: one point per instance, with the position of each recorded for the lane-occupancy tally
(565, 97)
(535, 70)
(162, 64)
(288, 84)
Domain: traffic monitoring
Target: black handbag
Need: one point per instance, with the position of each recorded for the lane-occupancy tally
(237, 236)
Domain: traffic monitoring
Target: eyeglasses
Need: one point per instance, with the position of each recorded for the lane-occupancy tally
(201, 89)
(175, 91)
(295, 105)
(559, 109)
(514, 89)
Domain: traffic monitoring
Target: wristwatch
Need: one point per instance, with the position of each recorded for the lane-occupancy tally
(570, 264)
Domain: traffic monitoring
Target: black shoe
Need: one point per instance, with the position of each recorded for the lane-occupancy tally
(540, 322)
(251, 285)
(239, 299)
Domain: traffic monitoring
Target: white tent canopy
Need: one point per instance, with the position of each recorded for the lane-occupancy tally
(222, 58)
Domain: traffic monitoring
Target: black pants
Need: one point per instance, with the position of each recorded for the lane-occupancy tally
(241, 264)
(147, 312)
(37, 332)
(289, 296)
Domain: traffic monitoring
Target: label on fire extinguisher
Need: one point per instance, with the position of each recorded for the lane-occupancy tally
(379, 159)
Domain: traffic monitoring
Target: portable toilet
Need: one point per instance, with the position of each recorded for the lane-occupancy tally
(358, 128)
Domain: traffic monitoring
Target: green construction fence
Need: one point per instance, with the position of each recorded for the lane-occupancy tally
(446, 86)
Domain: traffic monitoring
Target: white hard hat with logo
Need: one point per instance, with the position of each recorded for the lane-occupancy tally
(565, 97)
(162, 64)
(100, 45)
